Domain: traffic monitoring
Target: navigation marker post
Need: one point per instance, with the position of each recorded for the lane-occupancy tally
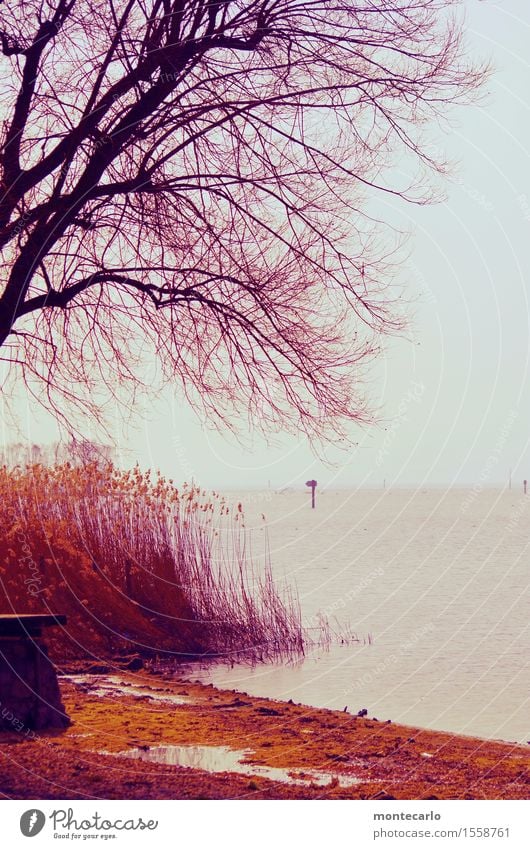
(313, 485)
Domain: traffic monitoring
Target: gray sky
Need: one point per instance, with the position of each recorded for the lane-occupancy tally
(454, 396)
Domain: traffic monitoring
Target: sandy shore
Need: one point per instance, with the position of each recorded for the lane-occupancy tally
(144, 711)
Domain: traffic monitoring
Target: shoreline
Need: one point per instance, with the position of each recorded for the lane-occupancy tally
(151, 710)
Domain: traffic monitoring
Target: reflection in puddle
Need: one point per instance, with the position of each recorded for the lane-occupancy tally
(114, 685)
(223, 759)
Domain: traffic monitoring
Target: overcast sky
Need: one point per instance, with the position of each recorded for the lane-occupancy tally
(454, 396)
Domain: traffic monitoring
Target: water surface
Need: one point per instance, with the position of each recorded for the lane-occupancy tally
(223, 759)
(440, 582)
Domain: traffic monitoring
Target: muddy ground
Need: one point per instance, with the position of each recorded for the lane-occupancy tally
(388, 760)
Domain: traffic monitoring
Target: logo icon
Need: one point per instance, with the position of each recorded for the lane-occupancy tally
(32, 822)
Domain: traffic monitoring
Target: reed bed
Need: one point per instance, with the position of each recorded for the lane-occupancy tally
(137, 563)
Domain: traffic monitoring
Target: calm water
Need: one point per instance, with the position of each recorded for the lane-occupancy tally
(440, 582)
(223, 759)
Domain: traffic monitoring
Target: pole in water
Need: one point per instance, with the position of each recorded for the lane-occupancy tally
(525, 483)
(313, 485)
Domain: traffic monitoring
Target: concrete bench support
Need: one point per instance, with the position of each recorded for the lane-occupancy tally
(29, 691)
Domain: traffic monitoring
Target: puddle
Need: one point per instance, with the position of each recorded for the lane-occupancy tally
(114, 685)
(223, 759)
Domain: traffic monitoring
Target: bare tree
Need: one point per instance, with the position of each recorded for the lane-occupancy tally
(188, 178)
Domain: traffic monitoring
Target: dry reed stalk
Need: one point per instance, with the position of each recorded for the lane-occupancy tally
(159, 561)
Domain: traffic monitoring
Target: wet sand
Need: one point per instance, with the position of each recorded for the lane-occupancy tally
(154, 710)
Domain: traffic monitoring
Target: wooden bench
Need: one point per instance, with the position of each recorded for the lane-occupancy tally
(28, 624)
(29, 691)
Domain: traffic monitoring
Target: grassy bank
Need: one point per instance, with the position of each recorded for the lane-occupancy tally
(136, 564)
(390, 761)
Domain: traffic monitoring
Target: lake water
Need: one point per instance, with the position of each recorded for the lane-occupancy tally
(435, 584)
